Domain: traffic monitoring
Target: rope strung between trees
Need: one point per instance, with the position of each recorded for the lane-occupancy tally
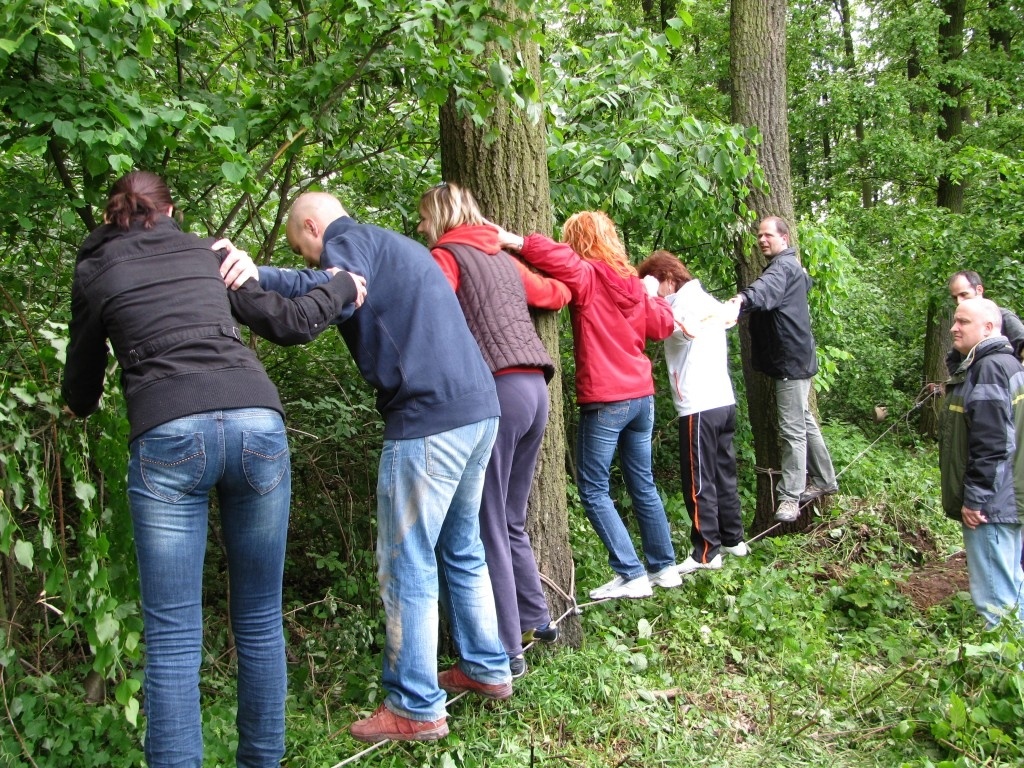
(927, 392)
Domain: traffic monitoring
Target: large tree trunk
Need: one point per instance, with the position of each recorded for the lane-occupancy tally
(949, 194)
(509, 178)
(758, 69)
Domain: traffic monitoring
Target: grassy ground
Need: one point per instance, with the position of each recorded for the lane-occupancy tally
(849, 645)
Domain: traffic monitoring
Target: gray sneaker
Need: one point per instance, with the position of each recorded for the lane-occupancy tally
(812, 492)
(787, 511)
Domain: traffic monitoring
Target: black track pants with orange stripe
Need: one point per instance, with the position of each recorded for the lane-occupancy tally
(708, 464)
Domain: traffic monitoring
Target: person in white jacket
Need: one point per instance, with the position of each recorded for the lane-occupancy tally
(697, 357)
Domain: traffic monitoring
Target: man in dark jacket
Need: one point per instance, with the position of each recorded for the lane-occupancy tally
(437, 397)
(782, 347)
(967, 285)
(981, 462)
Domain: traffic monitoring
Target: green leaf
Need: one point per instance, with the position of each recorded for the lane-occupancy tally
(106, 628)
(674, 38)
(233, 172)
(501, 75)
(64, 39)
(85, 492)
(144, 45)
(128, 68)
(23, 553)
(120, 163)
(957, 712)
(131, 711)
(223, 132)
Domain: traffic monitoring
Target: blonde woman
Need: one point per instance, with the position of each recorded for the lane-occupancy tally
(612, 319)
(494, 290)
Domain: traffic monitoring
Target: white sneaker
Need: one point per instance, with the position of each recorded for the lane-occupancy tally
(666, 578)
(740, 550)
(689, 565)
(620, 587)
(787, 512)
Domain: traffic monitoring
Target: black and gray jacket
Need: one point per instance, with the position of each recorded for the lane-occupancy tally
(981, 433)
(782, 345)
(157, 294)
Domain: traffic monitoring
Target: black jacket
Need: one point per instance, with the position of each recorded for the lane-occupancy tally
(782, 345)
(982, 423)
(157, 294)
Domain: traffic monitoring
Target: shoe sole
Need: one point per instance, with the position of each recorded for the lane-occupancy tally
(505, 692)
(621, 594)
(422, 736)
(670, 585)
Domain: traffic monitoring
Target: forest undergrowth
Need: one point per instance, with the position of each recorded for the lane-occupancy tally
(851, 644)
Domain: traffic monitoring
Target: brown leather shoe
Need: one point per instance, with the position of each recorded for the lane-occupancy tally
(385, 724)
(454, 680)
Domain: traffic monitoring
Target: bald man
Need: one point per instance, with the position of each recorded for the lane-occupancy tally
(967, 284)
(981, 464)
(437, 397)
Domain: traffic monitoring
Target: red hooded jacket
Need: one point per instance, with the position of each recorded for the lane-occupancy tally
(612, 318)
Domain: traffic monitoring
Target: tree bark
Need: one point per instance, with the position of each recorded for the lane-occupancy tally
(949, 193)
(509, 178)
(758, 71)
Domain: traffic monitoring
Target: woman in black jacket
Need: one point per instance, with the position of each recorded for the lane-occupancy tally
(203, 415)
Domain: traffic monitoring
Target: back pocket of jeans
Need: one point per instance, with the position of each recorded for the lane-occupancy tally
(172, 466)
(264, 459)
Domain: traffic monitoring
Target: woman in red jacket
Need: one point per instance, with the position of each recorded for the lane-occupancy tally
(494, 290)
(612, 318)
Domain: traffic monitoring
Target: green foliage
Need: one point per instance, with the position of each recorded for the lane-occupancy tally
(980, 711)
(623, 140)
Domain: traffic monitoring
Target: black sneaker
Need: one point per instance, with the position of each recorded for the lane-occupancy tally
(518, 666)
(546, 634)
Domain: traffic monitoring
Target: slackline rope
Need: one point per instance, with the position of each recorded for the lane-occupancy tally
(926, 393)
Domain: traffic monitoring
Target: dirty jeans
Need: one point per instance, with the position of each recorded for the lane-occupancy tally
(428, 547)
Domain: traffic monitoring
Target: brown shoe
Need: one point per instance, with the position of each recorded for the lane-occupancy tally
(454, 680)
(385, 724)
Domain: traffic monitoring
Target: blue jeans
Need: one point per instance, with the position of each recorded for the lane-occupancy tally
(627, 426)
(428, 547)
(803, 448)
(243, 454)
(996, 578)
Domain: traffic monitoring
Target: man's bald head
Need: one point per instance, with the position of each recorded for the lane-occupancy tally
(310, 215)
(974, 321)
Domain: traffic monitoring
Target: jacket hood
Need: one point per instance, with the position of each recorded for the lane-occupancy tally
(479, 236)
(625, 292)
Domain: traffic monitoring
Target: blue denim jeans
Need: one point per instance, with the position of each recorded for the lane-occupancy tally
(803, 448)
(626, 426)
(996, 578)
(243, 454)
(428, 548)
